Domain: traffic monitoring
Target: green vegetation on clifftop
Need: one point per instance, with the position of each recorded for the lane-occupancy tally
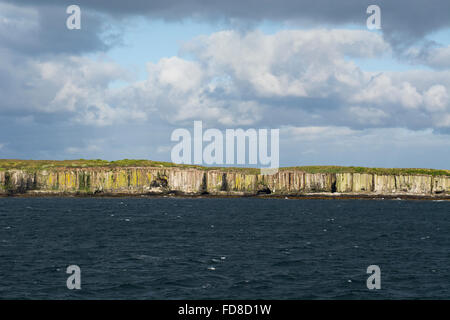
(377, 171)
(33, 165)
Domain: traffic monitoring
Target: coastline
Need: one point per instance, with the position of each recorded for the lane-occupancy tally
(307, 196)
(19, 178)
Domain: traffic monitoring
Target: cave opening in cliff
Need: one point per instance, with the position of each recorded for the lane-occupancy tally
(333, 186)
(204, 186)
(224, 186)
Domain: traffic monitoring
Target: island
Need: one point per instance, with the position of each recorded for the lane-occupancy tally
(154, 178)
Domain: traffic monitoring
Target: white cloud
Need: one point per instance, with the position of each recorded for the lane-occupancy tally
(380, 90)
(177, 73)
(367, 115)
(242, 79)
(435, 57)
(436, 98)
(288, 63)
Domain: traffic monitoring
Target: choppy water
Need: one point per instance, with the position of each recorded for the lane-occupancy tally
(223, 248)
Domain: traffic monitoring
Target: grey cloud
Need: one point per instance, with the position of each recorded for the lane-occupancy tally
(41, 29)
(280, 84)
(402, 20)
(58, 95)
(226, 87)
(52, 138)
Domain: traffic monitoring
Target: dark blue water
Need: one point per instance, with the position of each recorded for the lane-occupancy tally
(223, 248)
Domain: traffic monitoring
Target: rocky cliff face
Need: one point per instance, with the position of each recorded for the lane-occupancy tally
(147, 180)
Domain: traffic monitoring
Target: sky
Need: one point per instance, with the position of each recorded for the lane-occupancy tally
(117, 88)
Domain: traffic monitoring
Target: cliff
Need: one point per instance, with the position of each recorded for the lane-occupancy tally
(129, 180)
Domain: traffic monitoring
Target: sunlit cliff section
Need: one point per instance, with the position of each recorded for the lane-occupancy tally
(142, 177)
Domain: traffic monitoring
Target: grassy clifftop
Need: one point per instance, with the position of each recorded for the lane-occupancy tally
(7, 164)
(32, 165)
(80, 163)
(378, 171)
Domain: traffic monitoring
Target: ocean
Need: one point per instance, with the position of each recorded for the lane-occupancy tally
(209, 248)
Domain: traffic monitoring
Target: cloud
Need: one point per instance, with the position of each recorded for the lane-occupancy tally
(431, 54)
(316, 133)
(304, 81)
(436, 98)
(381, 90)
(40, 29)
(293, 77)
(375, 147)
(177, 73)
(75, 86)
(368, 115)
(288, 63)
(291, 69)
(402, 20)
